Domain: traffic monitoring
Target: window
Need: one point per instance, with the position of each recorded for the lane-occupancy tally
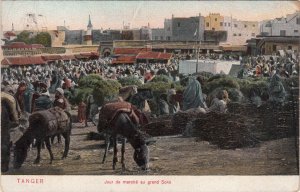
(253, 25)
(228, 24)
(168, 29)
(168, 38)
(252, 34)
(296, 31)
(240, 34)
(161, 38)
(178, 24)
(207, 24)
(274, 47)
(245, 26)
(234, 34)
(235, 25)
(225, 24)
(298, 21)
(216, 19)
(156, 38)
(221, 24)
(282, 32)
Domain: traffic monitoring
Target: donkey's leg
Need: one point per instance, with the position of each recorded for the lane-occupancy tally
(38, 146)
(107, 144)
(66, 135)
(123, 152)
(58, 138)
(52, 139)
(47, 141)
(115, 159)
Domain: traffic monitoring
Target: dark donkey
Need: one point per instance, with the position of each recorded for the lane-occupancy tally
(121, 118)
(43, 125)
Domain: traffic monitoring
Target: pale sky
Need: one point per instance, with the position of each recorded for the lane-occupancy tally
(111, 14)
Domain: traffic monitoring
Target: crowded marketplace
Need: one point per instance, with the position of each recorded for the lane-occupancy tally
(191, 104)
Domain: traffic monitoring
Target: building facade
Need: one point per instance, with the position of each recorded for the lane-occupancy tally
(187, 29)
(158, 34)
(284, 26)
(238, 32)
(214, 22)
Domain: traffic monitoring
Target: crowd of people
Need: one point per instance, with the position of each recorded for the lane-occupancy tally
(38, 82)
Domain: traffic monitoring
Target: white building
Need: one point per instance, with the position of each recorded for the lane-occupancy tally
(168, 29)
(158, 34)
(284, 26)
(238, 32)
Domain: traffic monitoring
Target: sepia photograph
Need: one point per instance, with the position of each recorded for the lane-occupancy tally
(149, 95)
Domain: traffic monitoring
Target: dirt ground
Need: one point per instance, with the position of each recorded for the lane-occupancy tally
(170, 155)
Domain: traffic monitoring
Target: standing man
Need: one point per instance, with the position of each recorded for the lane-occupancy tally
(91, 109)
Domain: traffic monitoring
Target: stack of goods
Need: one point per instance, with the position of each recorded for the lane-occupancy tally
(160, 126)
(180, 119)
(227, 131)
(269, 122)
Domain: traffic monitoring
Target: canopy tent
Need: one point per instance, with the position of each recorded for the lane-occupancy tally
(51, 57)
(124, 60)
(154, 55)
(30, 60)
(67, 57)
(129, 51)
(89, 55)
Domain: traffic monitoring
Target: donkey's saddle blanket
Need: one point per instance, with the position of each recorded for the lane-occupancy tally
(110, 111)
(54, 120)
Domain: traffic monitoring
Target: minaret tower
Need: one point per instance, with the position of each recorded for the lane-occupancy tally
(88, 36)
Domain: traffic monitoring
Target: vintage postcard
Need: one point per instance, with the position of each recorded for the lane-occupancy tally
(149, 95)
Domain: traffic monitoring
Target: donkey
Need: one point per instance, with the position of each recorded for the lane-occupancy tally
(116, 119)
(43, 125)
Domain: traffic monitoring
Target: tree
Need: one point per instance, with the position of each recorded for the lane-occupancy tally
(24, 36)
(43, 38)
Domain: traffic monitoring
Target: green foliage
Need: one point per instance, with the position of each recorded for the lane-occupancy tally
(89, 81)
(214, 77)
(157, 86)
(81, 95)
(220, 81)
(101, 89)
(130, 80)
(106, 90)
(204, 74)
(161, 78)
(43, 38)
(259, 84)
(24, 36)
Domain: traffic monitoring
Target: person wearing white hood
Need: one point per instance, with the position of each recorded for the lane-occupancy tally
(60, 100)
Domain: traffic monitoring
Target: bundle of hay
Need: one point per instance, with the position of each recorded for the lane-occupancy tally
(269, 122)
(160, 128)
(227, 131)
(180, 119)
(220, 81)
(130, 80)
